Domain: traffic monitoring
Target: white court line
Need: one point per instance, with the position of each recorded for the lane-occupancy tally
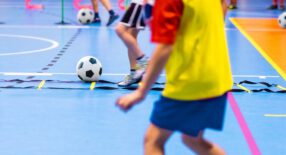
(51, 26)
(53, 43)
(27, 74)
(114, 74)
(49, 74)
(256, 76)
(102, 27)
(275, 115)
(259, 29)
(23, 6)
(54, 27)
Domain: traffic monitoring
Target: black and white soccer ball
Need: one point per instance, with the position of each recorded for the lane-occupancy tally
(282, 20)
(85, 16)
(89, 69)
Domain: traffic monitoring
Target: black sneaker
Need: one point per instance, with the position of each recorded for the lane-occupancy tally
(272, 7)
(112, 18)
(96, 20)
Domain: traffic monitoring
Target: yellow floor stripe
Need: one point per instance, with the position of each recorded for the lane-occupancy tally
(259, 49)
(275, 115)
(280, 87)
(243, 88)
(42, 83)
(92, 85)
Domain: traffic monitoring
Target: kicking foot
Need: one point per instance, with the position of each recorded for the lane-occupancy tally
(112, 18)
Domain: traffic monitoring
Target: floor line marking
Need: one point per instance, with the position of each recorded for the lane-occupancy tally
(258, 29)
(92, 86)
(117, 74)
(281, 87)
(96, 27)
(243, 125)
(27, 74)
(53, 43)
(42, 83)
(55, 26)
(259, 49)
(275, 115)
(243, 88)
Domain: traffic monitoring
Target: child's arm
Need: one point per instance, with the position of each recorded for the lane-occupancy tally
(155, 66)
(224, 7)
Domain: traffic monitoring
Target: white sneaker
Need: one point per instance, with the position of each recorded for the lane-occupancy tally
(128, 80)
(141, 68)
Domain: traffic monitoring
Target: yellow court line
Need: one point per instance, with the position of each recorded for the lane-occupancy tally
(280, 87)
(259, 49)
(92, 85)
(243, 88)
(275, 115)
(41, 84)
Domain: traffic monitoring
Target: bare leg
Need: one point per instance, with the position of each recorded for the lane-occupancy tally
(201, 146)
(106, 4)
(95, 5)
(131, 55)
(129, 37)
(224, 7)
(155, 140)
(132, 60)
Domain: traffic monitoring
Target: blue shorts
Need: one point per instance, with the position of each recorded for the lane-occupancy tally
(189, 117)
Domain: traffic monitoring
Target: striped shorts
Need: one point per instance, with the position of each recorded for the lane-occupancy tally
(133, 17)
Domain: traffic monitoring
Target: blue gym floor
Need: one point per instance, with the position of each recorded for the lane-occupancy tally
(65, 117)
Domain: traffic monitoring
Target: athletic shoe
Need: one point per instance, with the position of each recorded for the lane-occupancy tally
(112, 18)
(128, 80)
(96, 20)
(272, 7)
(140, 67)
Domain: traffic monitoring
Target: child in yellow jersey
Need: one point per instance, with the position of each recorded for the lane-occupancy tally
(191, 44)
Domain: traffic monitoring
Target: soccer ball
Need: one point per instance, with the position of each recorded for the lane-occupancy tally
(282, 20)
(89, 69)
(85, 16)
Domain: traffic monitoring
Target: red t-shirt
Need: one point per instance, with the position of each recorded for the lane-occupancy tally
(166, 20)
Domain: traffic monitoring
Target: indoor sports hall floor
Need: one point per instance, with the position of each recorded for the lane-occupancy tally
(46, 110)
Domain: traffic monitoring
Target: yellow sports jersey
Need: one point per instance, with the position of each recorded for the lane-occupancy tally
(199, 67)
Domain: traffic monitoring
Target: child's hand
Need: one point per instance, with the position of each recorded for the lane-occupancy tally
(126, 102)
